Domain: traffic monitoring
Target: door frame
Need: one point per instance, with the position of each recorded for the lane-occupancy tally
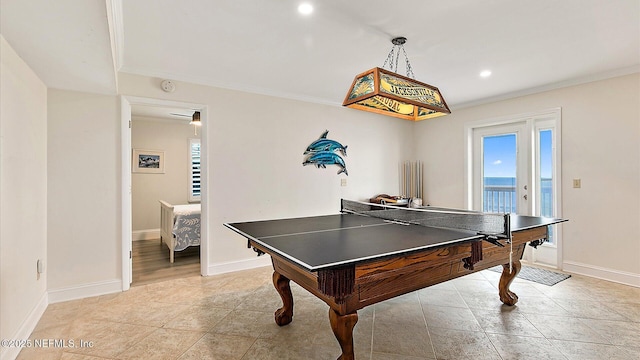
(532, 119)
(126, 210)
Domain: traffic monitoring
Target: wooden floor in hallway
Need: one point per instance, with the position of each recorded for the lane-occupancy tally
(151, 262)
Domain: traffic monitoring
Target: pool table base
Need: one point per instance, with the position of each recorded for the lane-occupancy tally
(382, 279)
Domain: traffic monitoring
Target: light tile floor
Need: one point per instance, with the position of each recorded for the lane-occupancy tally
(231, 317)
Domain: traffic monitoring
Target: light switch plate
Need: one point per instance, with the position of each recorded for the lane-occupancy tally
(577, 183)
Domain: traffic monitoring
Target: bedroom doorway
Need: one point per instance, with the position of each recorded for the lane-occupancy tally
(145, 258)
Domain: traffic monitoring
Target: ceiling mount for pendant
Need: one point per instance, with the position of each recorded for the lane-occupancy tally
(386, 92)
(399, 40)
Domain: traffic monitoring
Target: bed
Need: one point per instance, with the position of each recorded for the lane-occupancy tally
(179, 226)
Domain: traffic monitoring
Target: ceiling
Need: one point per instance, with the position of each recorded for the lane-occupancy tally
(267, 47)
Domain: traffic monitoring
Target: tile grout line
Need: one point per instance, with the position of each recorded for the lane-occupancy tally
(474, 316)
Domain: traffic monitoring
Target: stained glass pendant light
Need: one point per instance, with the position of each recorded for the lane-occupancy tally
(386, 92)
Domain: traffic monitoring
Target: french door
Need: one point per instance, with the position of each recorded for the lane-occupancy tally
(515, 168)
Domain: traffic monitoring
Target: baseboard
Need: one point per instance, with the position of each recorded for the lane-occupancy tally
(85, 290)
(256, 262)
(539, 265)
(621, 277)
(147, 234)
(27, 327)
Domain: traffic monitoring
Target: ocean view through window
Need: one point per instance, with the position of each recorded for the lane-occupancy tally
(499, 169)
(500, 195)
(545, 172)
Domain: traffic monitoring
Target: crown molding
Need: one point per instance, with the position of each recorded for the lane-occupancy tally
(558, 85)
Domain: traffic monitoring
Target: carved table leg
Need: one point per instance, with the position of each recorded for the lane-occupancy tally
(342, 326)
(284, 315)
(507, 296)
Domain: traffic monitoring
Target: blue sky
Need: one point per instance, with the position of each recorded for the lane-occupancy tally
(546, 153)
(500, 155)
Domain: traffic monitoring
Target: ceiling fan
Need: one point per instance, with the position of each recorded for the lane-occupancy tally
(195, 119)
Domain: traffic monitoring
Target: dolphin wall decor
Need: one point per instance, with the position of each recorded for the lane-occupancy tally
(322, 152)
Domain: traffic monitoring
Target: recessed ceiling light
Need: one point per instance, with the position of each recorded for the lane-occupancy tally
(485, 73)
(305, 8)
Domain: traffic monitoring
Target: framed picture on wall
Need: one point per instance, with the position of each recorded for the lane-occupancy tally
(148, 161)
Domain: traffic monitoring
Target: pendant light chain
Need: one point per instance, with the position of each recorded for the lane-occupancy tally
(393, 65)
(389, 59)
(408, 64)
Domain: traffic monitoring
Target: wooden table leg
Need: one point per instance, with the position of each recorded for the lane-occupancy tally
(507, 296)
(342, 326)
(284, 315)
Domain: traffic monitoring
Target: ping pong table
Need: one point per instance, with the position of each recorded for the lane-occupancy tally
(370, 253)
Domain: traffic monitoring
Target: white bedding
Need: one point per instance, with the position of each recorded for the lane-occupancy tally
(186, 226)
(179, 226)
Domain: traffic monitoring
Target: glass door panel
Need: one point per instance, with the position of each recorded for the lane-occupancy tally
(499, 173)
(500, 169)
(546, 193)
(545, 180)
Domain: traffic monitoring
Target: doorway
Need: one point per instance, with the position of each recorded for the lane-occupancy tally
(126, 159)
(514, 165)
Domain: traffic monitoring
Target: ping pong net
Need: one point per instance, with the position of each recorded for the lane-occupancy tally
(492, 225)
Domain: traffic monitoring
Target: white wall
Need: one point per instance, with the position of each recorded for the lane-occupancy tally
(84, 243)
(173, 186)
(600, 145)
(255, 157)
(23, 194)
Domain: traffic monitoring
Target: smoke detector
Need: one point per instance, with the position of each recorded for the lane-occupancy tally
(168, 86)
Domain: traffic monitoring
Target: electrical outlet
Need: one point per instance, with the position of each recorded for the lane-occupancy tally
(343, 182)
(577, 183)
